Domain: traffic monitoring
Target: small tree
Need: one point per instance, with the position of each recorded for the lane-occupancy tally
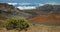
(16, 23)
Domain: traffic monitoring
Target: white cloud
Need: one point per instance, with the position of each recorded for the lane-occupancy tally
(53, 3)
(24, 3)
(41, 4)
(12, 3)
(24, 7)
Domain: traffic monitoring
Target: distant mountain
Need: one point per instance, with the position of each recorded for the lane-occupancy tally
(9, 11)
(48, 9)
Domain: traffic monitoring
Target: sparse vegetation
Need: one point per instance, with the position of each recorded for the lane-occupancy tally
(16, 23)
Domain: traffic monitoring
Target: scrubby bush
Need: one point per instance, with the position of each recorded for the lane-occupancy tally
(16, 23)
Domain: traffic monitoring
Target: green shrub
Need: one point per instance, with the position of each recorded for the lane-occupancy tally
(16, 23)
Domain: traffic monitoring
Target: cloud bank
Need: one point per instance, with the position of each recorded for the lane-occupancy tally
(12, 3)
(23, 5)
(53, 3)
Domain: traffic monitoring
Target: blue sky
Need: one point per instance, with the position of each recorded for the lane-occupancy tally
(31, 1)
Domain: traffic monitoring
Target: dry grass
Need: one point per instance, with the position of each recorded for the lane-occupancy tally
(36, 28)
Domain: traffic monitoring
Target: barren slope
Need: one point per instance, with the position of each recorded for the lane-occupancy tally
(47, 20)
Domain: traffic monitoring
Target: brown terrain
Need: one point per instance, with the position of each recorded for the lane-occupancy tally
(48, 20)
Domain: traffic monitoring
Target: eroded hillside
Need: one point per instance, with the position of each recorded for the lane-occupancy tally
(47, 20)
(8, 11)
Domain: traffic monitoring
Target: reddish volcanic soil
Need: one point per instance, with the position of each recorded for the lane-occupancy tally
(47, 20)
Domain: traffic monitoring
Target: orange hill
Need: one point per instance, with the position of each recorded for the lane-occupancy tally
(47, 20)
